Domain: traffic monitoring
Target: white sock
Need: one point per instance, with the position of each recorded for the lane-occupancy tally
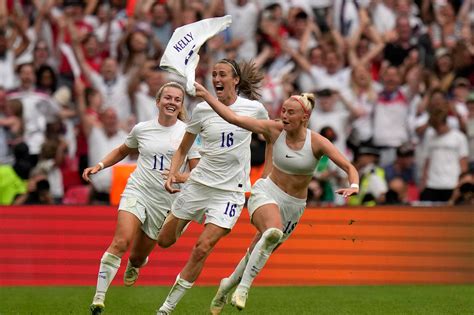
(259, 256)
(236, 276)
(176, 293)
(109, 265)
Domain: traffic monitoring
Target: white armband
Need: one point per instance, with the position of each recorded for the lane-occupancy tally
(356, 186)
(101, 165)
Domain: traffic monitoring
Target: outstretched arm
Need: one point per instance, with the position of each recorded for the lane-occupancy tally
(255, 125)
(324, 146)
(115, 156)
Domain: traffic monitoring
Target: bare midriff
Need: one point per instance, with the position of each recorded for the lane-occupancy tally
(293, 185)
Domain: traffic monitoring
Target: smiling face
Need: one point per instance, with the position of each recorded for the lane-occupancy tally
(225, 81)
(170, 102)
(293, 115)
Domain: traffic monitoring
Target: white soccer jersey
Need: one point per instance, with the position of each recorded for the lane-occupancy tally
(156, 145)
(225, 148)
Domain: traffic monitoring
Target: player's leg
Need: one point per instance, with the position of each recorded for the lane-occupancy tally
(227, 284)
(185, 280)
(267, 220)
(127, 227)
(141, 249)
(171, 230)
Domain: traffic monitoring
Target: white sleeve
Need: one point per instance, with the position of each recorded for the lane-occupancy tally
(194, 126)
(96, 79)
(132, 141)
(193, 152)
(262, 113)
(463, 146)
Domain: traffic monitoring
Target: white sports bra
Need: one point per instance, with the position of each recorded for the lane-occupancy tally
(294, 162)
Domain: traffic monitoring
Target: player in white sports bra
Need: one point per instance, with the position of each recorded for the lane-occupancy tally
(278, 201)
(145, 203)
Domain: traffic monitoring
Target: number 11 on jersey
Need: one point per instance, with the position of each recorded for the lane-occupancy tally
(155, 161)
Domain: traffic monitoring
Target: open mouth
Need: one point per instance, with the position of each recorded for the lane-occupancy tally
(171, 109)
(219, 88)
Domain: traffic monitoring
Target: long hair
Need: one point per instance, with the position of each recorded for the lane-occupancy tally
(182, 115)
(249, 76)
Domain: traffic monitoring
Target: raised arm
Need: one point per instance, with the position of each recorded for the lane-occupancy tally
(178, 160)
(324, 146)
(115, 156)
(255, 125)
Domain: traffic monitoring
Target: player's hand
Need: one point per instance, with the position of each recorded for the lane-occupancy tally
(170, 181)
(90, 171)
(201, 91)
(346, 192)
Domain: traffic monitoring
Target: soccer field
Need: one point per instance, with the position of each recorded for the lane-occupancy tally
(453, 299)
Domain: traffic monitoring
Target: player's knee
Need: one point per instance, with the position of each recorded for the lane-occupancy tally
(164, 241)
(201, 250)
(272, 237)
(120, 244)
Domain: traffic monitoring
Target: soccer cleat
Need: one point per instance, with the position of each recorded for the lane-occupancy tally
(162, 311)
(130, 275)
(220, 299)
(96, 308)
(239, 298)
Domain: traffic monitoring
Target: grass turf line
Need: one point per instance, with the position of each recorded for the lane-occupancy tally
(330, 300)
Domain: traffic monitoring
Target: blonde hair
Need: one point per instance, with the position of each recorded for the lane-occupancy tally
(306, 100)
(182, 115)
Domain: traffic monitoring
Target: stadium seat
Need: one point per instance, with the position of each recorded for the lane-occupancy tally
(120, 174)
(77, 195)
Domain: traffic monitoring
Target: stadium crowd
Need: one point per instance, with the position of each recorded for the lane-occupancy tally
(393, 79)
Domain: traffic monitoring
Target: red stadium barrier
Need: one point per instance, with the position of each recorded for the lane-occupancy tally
(62, 245)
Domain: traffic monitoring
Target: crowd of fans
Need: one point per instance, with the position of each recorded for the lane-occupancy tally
(393, 78)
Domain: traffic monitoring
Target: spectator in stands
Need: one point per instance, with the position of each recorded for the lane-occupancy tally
(51, 157)
(246, 12)
(9, 54)
(38, 108)
(443, 74)
(470, 128)
(373, 185)
(404, 165)
(11, 127)
(397, 192)
(463, 194)
(391, 109)
(334, 111)
(447, 158)
(103, 135)
(11, 185)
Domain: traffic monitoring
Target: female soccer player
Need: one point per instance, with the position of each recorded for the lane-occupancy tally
(278, 201)
(145, 203)
(216, 187)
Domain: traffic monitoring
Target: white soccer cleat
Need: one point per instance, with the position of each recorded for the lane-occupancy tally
(131, 273)
(220, 299)
(163, 311)
(96, 308)
(239, 298)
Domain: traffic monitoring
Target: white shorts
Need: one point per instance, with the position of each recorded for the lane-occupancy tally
(152, 218)
(219, 207)
(264, 191)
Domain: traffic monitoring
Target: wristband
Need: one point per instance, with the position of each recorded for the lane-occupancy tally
(356, 186)
(101, 165)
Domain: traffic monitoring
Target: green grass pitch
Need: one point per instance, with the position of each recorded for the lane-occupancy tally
(331, 300)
